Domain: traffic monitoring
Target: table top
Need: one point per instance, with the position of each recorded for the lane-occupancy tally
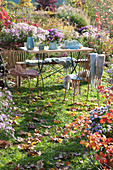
(46, 50)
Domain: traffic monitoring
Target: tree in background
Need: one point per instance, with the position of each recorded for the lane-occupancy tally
(46, 4)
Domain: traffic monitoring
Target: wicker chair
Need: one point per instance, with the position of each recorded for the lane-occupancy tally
(15, 65)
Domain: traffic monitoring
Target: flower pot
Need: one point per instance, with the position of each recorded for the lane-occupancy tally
(53, 45)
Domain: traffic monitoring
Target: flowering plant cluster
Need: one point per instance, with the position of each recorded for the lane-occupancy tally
(6, 111)
(5, 20)
(54, 35)
(96, 133)
(100, 41)
(95, 130)
(20, 31)
(110, 72)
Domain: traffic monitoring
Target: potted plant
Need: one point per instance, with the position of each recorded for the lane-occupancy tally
(54, 38)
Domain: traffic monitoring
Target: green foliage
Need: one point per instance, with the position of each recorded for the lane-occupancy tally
(11, 5)
(78, 20)
(48, 116)
(74, 16)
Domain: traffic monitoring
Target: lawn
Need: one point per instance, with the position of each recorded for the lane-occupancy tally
(51, 133)
(39, 127)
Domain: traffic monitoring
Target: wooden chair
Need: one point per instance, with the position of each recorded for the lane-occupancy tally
(84, 74)
(15, 65)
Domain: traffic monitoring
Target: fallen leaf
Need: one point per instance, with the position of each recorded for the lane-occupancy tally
(4, 144)
(33, 152)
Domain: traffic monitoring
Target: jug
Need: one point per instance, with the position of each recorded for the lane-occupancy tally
(30, 43)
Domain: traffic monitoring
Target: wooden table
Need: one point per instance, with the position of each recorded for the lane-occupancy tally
(59, 50)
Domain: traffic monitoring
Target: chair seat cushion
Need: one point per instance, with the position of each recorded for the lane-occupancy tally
(24, 72)
(31, 73)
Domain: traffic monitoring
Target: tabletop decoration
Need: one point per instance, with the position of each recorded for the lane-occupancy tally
(74, 44)
(54, 38)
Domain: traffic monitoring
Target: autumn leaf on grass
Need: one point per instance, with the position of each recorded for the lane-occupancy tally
(55, 139)
(33, 153)
(10, 163)
(4, 144)
(45, 126)
(38, 165)
(24, 133)
(26, 146)
(15, 123)
(65, 132)
(19, 139)
(39, 120)
(31, 126)
(62, 155)
(57, 121)
(82, 142)
(46, 133)
(48, 105)
(62, 165)
(58, 129)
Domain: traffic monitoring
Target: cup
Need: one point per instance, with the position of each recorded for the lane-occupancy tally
(41, 47)
(66, 42)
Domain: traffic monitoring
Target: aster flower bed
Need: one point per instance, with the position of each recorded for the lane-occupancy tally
(6, 112)
(18, 33)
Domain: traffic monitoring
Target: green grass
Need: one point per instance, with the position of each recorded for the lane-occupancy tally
(48, 114)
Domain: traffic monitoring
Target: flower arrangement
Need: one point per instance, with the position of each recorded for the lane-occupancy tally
(54, 35)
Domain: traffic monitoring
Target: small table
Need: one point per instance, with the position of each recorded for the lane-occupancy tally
(59, 50)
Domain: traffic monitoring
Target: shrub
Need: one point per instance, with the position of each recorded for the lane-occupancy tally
(68, 30)
(73, 15)
(46, 4)
(11, 5)
(79, 20)
(5, 20)
(100, 41)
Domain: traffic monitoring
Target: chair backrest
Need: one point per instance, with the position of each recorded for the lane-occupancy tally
(10, 57)
(83, 62)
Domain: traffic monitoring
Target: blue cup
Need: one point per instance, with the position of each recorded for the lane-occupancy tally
(41, 47)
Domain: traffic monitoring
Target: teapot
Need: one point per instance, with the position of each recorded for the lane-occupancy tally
(30, 43)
